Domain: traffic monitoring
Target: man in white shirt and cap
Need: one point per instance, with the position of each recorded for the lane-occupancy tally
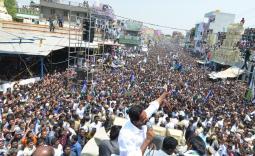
(134, 136)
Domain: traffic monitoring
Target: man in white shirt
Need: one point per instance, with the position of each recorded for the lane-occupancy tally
(155, 120)
(134, 136)
(96, 124)
(169, 124)
(80, 111)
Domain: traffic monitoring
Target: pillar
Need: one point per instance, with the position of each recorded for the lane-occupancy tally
(41, 67)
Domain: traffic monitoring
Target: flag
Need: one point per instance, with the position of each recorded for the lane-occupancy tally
(251, 87)
(210, 94)
(132, 77)
(73, 89)
(122, 79)
(250, 92)
(84, 87)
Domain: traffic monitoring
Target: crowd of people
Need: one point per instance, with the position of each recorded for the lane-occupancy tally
(64, 113)
(248, 39)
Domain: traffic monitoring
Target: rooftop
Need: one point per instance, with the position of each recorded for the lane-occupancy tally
(25, 42)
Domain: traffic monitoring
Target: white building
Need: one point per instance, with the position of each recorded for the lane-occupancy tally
(219, 21)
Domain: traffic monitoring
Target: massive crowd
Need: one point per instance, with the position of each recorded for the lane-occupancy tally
(248, 39)
(61, 112)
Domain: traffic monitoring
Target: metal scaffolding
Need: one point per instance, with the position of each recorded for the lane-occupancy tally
(83, 56)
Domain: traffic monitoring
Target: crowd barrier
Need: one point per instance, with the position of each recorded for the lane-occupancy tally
(91, 148)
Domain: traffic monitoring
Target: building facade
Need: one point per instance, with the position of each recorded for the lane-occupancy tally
(131, 34)
(56, 8)
(219, 21)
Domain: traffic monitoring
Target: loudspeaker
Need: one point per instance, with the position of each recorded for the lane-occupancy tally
(89, 30)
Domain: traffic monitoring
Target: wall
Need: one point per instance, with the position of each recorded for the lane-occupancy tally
(46, 13)
(200, 27)
(222, 20)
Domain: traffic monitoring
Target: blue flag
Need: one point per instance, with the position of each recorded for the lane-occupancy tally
(132, 77)
(210, 94)
(84, 87)
(122, 80)
(73, 89)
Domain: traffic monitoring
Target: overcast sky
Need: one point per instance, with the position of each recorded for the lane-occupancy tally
(182, 14)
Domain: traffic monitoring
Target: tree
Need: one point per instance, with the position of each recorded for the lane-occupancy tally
(192, 33)
(11, 7)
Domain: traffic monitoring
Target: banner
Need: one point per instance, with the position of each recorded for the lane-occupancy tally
(226, 57)
(228, 53)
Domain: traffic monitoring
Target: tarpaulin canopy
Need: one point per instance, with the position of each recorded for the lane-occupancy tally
(38, 44)
(202, 62)
(231, 72)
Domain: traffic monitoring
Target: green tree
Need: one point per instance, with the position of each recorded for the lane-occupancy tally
(192, 32)
(11, 7)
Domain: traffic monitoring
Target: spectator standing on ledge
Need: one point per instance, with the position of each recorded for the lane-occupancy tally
(246, 58)
(51, 24)
(242, 21)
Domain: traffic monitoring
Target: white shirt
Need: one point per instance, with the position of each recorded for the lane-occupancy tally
(152, 121)
(72, 131)
(80, 112)
(170, 125)
(155, 153)
(222, 150)
(58, 151)
(20, 153)
(220, 123)
(131, 138)
(28, 151)
(191, 153)
(94, 125)
(86, 126)
(247, 118)
(234, 128)
(110, 110)
(75, 106)
(174, 120)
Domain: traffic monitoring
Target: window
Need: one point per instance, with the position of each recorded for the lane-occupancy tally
(65, 13)
(52, 11)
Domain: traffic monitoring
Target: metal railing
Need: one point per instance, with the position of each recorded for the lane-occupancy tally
(28, 11)
(125, 39)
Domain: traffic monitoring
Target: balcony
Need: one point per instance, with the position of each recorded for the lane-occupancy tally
(61, 4)
(104, 10)
(28, 11)
(133, 26)
(132, 40)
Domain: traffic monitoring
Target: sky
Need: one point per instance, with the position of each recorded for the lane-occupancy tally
(183, 14)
